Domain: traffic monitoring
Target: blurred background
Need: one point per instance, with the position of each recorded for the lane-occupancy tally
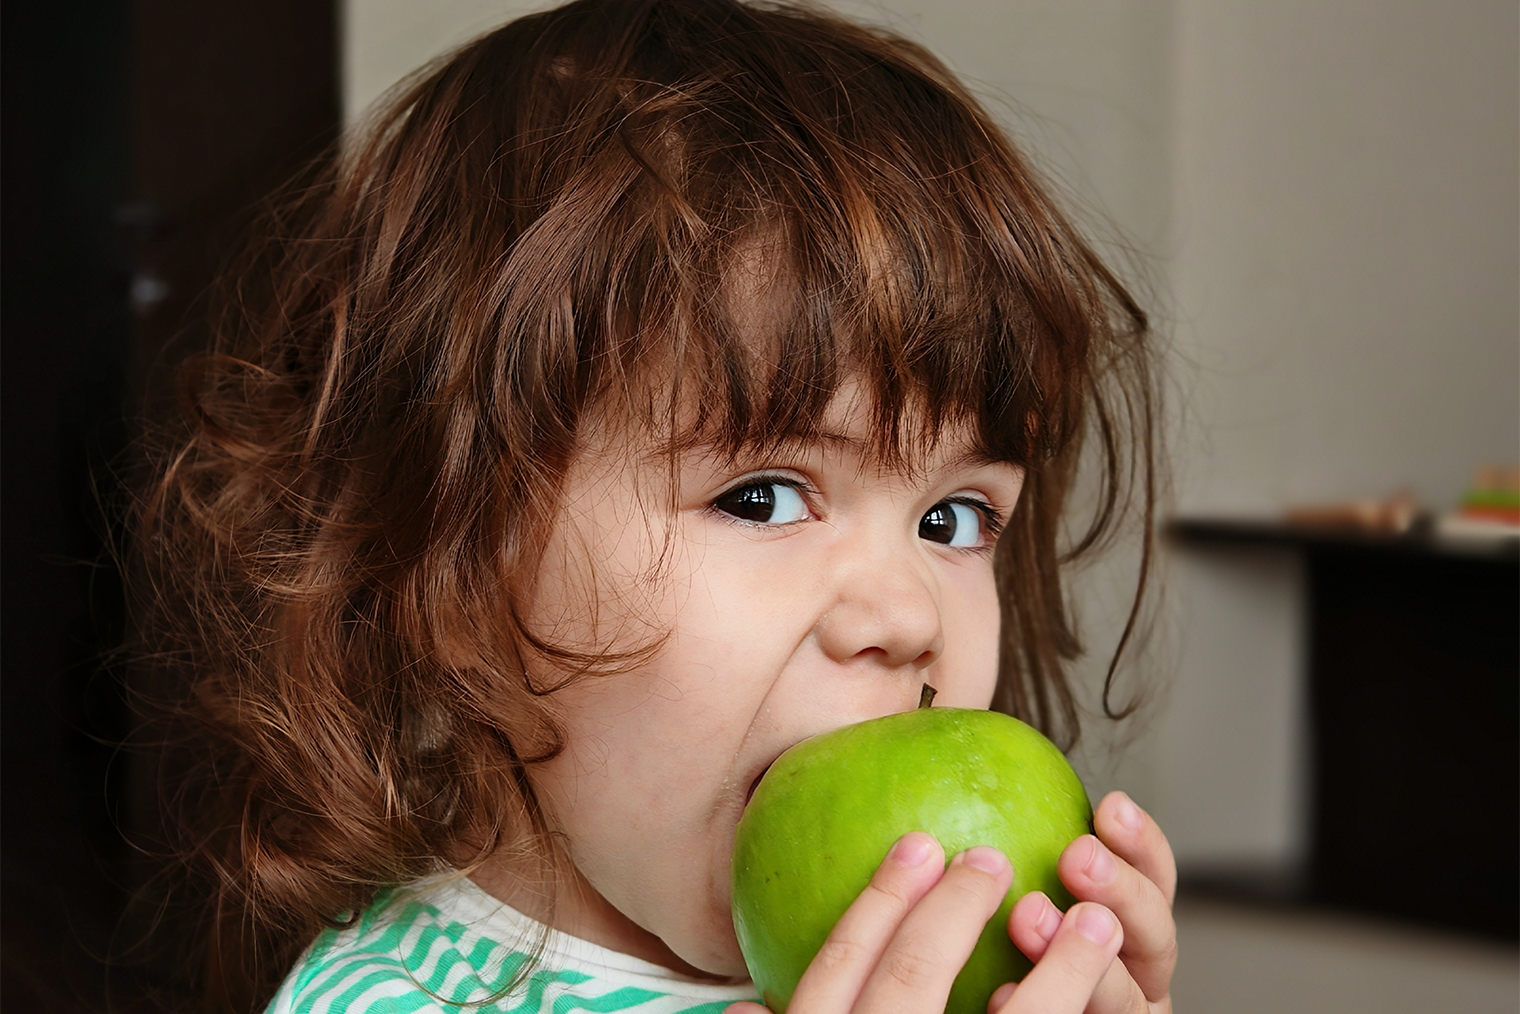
(1322, 201)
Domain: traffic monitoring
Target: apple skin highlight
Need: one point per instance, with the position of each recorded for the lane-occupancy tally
(829, 809)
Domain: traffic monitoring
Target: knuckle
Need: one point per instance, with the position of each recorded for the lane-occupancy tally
(1166, 957)
(1069, 975)
(912, 969)
(837, 952)
(894, 894)
(1085, 963)
(974, 891)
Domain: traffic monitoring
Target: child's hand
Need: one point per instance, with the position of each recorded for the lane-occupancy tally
(1130, 872)
(901, 944)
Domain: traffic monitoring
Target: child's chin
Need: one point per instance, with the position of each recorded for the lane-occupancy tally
(717, 955)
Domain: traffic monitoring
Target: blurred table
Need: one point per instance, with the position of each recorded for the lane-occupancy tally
(1414, 687)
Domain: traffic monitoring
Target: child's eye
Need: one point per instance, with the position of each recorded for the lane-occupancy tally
(765, 501)
(961, 524)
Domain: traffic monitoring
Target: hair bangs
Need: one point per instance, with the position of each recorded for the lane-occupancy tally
(775, 232)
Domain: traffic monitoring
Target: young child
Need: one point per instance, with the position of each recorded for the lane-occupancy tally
(652, 385)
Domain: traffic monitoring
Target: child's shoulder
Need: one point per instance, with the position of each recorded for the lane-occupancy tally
(441, 944)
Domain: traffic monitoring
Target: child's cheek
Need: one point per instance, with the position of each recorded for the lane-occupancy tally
(967, 674)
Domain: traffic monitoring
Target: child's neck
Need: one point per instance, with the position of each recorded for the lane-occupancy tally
(579, 910)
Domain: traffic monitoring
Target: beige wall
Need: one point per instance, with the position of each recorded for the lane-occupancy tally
(1326, 197)
(1345, 266)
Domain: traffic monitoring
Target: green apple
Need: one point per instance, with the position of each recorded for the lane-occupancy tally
(829, 809)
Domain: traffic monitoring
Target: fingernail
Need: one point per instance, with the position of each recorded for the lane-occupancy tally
(1100, 868)
(1128, 814)
(984, 858)
(1048, 922)
(1003, 995)
(912, 849)
(1096, 924)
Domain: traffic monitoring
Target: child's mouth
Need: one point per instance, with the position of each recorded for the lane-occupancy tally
(755, 784)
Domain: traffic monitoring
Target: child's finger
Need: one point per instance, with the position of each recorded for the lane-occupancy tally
(746, 1007)
(927, 952)
(1074, 961)
(1033, 924)
(1116, 993)
(838, 973)
(1094, 873)
(1133, 835)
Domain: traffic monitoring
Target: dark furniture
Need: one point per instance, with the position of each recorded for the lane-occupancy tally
(1413, 662)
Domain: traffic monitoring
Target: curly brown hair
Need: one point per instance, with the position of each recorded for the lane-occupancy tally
(330, 550)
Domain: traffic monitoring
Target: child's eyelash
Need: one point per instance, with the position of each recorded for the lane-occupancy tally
(762, 478)
(768, 479)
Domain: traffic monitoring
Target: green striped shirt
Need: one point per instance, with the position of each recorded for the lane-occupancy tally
(443, 943)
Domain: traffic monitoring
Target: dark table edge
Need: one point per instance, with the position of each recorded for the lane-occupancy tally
(1421, 540)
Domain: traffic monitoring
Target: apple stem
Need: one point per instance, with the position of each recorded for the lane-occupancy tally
(926, 696)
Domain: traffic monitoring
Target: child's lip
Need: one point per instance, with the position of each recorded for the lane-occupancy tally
(756, 784)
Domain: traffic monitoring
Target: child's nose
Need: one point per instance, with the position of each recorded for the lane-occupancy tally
(885, 612)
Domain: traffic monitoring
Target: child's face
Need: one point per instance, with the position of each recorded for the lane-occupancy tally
(802, 591)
